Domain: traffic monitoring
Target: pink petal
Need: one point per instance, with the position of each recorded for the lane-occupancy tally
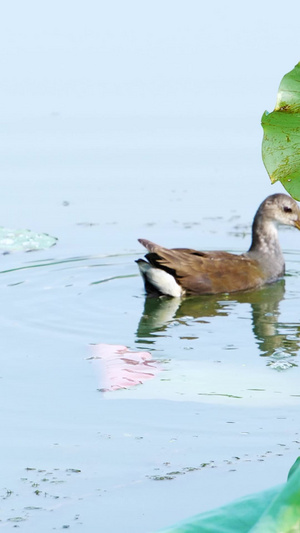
(119, 368)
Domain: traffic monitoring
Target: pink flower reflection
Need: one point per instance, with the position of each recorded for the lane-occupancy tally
(119, 368)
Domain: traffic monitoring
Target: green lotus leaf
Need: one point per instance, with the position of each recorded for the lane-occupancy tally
(12, 240)
(274, 510)
(281, 141)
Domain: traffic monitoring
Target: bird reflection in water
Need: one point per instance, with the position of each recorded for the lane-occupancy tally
(275, 339)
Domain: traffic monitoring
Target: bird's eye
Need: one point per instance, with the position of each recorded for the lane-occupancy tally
(287, 209)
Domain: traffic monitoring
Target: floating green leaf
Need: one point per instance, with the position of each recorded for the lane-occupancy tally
(12, 240)
(281, 142)
(273, 510)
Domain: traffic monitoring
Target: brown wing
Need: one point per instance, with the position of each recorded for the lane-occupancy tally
(206, 272)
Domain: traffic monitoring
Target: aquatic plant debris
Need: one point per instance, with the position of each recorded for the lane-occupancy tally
(281, 141)
(119, 368)
(24, 240)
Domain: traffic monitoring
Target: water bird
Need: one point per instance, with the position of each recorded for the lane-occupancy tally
(179, 271)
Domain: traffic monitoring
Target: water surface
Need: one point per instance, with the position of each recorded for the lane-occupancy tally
(221, 417)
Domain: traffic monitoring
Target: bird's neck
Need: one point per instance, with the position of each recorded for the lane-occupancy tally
(265, 244)
(265, 236)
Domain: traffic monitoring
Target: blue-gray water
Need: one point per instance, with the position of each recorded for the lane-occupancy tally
(227, 394)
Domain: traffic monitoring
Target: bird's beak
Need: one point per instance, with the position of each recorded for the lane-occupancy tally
(297, 222)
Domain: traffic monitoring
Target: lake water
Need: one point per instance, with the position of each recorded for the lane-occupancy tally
(219, 417)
